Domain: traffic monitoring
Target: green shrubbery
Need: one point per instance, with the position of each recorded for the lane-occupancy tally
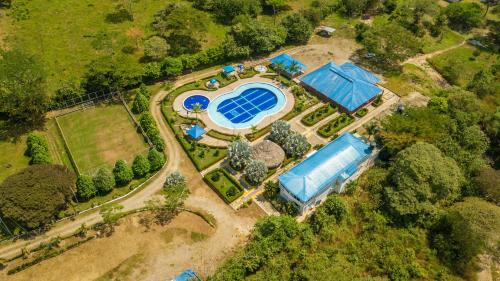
(140, 166)
(148, 124)
(85, 187)
(123, 173)
(337, 124)
(38, 149)
(362, 112)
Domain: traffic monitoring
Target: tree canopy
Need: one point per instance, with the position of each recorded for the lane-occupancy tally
(34, 196)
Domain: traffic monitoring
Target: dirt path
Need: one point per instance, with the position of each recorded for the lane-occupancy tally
(421, 61)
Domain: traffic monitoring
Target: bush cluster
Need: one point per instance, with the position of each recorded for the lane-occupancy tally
(38, 149)
(148, 124)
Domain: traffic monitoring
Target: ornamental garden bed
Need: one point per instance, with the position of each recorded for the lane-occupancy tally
(337, 124)
(378, 101)
(224, 184)
(318, 115)
(362, 112)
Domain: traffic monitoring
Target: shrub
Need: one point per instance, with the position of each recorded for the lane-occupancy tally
(362, 112)
(215, 177)
(148, 124)
(280, 130)
(140, 166)
(296, 145)
(152, 71)
(175, 179)
(155, 48)
(156, 159)
(122, 172)
(38, 149)
(255, 172)
(85, 188)
(104, 181)
(334, 210)
(141, 104)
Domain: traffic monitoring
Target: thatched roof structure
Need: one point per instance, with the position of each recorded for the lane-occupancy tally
(269, 152)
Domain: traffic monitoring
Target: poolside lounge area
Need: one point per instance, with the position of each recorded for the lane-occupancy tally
(348, 86)
(327, 170)
(291, 66)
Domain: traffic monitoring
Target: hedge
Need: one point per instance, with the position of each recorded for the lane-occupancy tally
(335, 125)
(362, 112)
(220, 189)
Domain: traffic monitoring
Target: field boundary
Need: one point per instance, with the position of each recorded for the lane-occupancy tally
(136, 123)
(66, 147)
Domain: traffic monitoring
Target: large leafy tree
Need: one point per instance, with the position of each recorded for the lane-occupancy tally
(104, 181)
(227, 10)
(122, 172)
(296, 145)
(410, 13)
(34, 196)
(140, 166)
(298, 28)
(255, 172)
(280, 130)
(422, 180)
(258, 36)
(85, 188)
(239, 154)
(23, 97)
(466, 230)
(155, 48)
(464, 16)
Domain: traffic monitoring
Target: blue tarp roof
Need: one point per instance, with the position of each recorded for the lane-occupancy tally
(347, 86)
(338, 160)
(187, 275)
(196, 132)
(228, 69)
(287, 61)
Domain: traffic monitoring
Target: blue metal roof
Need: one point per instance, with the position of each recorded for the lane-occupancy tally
(186, 275)
(228, 69)
(359, 73)
(287, 61)
(196, 132)
(336, 161)
(347, 88)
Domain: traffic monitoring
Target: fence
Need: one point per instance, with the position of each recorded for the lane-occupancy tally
(82, 100)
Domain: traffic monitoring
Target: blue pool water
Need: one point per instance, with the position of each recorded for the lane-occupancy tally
(191, 101)
(248, 105)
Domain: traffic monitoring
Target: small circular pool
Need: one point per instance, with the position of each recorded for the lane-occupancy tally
(191, 102)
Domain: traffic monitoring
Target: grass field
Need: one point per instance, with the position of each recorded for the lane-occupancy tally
(463, 62)
(448, 39)
(99, 136)
(411, 79)
(64, 33)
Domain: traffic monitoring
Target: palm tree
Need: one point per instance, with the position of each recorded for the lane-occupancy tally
(294, 68)
(253, 128)
(196, 108)
(279, 67)
(371, 128)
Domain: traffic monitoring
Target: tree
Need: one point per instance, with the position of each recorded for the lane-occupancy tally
(411, 12)
(23, 96)
(122, 172)
(371, 129)
(423, 179)
(258, 36)
(171, 67)
(141, 104)
(227, 10)
(34, 196)
(196, 109)
(332, 211)
(238, 154)
(156, 159)
(296, 145)
(280, 130)
(484, 83)
(488, 184)
(276, 4)
(298, 28)
(255, 172)
(104, 181)
(112, 73)
(464, 16)
(156, 48)
(352, 8)
(38, 149)
(140, 166)
(466, 230)
(85, 188)
(69, 91)
(174, 179)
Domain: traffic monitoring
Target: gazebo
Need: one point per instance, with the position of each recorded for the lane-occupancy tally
(268, 152)
(228, 70)
(195, 132)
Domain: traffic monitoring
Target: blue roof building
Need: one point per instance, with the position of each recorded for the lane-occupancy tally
(348, 86)
(287, 62)
(195, 132)
(187, 275)
(329, 169)
(228, 70)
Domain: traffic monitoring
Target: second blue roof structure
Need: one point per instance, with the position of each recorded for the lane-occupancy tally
(228, 69)
(288, 61)
(196, 132)
(186, 275)
(347, 85)
(336, 161)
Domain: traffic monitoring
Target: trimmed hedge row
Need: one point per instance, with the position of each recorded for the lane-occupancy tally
(148, 124)
(362, 112)
(332, 127)
(318, 115)
(215, 177)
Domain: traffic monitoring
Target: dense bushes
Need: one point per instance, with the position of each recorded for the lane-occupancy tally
(104, 181)
(140, 166)
(34, 196)
(148, 124)
(38, 149)
(122, 173)
(85, 188)
(156, 159)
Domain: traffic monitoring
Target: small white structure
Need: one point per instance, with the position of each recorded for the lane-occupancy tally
(326, 31)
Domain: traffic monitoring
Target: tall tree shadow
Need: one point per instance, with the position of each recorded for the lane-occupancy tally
(119, 15)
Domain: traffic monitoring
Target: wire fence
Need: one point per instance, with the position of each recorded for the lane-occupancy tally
(84, 99)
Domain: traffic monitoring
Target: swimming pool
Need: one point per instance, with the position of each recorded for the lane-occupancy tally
(190, 102)
(246, 106)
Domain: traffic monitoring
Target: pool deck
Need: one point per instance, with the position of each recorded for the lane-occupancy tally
(212, 95)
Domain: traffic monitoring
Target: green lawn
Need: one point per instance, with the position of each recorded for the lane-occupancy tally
(462, 63)
(224, 184)
(63, 33)
(12, 158)
(448, 39)
(411, 79)
(101, 135)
